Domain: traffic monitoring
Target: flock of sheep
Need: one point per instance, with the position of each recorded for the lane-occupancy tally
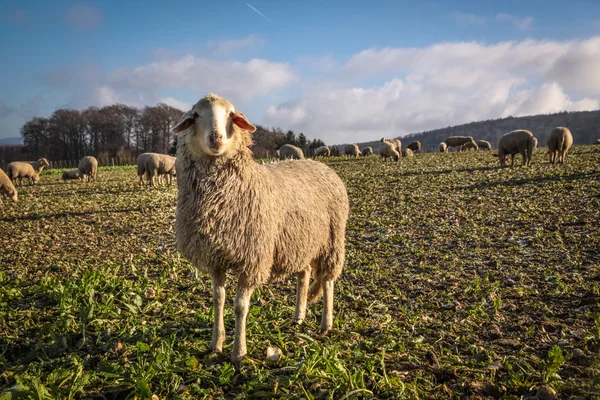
(262, 221)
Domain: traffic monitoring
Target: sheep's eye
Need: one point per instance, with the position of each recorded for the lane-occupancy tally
(195, 115)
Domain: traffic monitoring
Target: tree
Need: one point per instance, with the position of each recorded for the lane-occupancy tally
(301, 140)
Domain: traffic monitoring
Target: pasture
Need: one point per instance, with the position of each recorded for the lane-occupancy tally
(461, 280)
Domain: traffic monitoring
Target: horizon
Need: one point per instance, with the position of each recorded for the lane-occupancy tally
(354, 75)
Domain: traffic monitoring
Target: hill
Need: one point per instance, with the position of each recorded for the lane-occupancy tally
(11, 141)
(585, 126)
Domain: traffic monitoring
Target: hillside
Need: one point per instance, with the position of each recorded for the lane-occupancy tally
(585, 126)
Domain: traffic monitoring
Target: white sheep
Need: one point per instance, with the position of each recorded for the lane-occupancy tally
(559, 142)
(17, 170)
(253, 220)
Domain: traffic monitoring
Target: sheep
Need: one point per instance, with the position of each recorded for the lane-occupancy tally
(483, 145)
(154, 165)
(352, 150)
(88, 166)
(17, 170)
(322, 151)
(469, 146)
(387, 149)
(443, 147)
(407, 152)
(72, 174)
(289, 151)
(256, 221)
(7, 189)
(559, 142)
(277, 155)
(367, 151)
(457, 141)
(415, 146)
(519, 141)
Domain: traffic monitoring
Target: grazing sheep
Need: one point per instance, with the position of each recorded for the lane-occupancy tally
(352, 150)
(407, 152)
(72, 174)
(469, 146)
(519, 141)
(367, 151)
(457, 141)
(7, 189)
(256, 221)
(559, 142)
(415, 146)
(17, 170)
(322, 151)
(289, 151)
(88, 166)
(397, 143)
(443, 147)
(388, 150)
(154, 165)
(483, 145)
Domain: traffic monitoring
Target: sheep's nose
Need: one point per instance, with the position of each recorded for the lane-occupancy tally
(216, 137)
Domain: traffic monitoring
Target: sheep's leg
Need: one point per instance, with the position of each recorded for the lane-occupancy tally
(301, 295)
(218, 335)
(241, 307)
(327, 318)
(512, 162)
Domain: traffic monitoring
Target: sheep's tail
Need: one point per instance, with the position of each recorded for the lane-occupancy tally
(561, 142)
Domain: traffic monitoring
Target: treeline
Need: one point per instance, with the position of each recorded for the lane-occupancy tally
(121, 131)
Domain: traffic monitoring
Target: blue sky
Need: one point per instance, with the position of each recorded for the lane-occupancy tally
(338, 70)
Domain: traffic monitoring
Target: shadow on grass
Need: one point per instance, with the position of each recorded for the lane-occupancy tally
(542, 179)
(35, 217)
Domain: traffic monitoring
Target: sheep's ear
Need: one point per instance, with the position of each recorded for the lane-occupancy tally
(240, 120)
(185, 122)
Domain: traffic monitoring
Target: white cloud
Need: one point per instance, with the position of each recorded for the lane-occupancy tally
(521, 23)
(445, 84)
(180, 105)
(463, 18)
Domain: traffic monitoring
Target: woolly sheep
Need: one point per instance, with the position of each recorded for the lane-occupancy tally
(72, 174)
(483, 144)
(17, 170)
(388, 150)
(457, 141)
(322, 151)
(407, 152)
(559, 142)
(154, 165)
(469, 146)
(397, 143)
(7, 189)
(255, 221)
(88, 166)
(352, 150)
(367, 151)
(519, 141)
(289, 151)
(415, 146)
(443, 147)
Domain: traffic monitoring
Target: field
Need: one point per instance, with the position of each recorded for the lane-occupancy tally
(461, 280)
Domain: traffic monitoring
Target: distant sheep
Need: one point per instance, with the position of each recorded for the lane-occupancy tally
(483, 145)
(254, 221)
(72, 174)
(443, 147)
(289, 151)
(153, 165)
(88, 166)
(367, 151)
(388, 150)
(352, 150)
(415, 146)
(17, 170)
(322, 151)
(397, 143)
(559, 142)
(469, 146)
(7, 189)
(458, 141)
(519, 141)
(407, 152)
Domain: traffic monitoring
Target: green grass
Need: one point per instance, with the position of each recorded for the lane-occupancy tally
(461, 280)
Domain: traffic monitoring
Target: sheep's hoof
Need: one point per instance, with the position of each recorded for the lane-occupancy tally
(298, 321)
(237, 362)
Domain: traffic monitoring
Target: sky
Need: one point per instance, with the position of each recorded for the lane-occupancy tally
(342, 71)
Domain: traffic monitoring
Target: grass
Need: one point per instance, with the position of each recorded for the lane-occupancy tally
(461, 280)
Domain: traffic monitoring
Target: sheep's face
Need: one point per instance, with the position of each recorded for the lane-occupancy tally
(213, 122)
(44, 162)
